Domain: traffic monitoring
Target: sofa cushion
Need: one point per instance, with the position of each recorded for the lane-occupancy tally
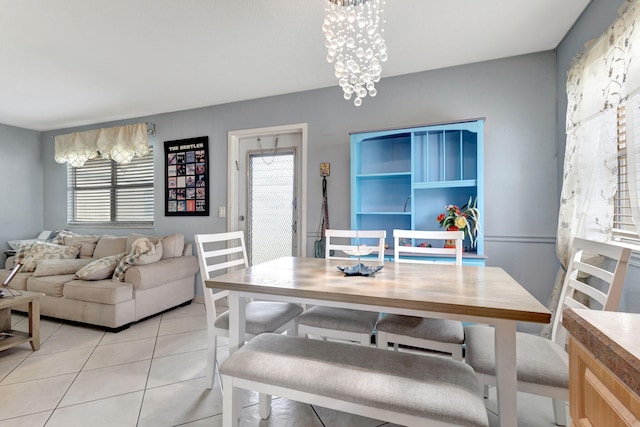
(88, 244)
(49, 285)
(172, 245)
(110, 245)
(99, 269)
(100, 291)
(55, 267)
(41, 250)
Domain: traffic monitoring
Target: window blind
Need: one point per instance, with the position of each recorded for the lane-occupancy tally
(103, 192)
(624, 227)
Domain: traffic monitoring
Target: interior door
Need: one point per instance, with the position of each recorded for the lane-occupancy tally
(268, 195)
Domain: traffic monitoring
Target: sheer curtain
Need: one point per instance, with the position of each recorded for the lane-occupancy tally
(120, 143)
(599, 79)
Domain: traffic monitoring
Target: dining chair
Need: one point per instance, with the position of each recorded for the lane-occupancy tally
(342, 323)
(594, 280)
(443, 335)
(217, 253)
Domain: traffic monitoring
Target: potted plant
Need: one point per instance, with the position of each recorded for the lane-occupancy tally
(466, 219)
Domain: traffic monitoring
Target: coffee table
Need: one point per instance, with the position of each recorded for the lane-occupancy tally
(18, 337)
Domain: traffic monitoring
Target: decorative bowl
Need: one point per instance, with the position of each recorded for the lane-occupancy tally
(360, 270)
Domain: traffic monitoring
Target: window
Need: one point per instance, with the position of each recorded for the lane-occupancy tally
(103, 192)
(624, 227)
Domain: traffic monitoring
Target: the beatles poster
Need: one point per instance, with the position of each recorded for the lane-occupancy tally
(187, 177)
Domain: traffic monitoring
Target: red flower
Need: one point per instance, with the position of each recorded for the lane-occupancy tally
(440, 218)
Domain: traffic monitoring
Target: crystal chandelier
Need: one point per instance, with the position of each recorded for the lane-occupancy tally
(354, 31)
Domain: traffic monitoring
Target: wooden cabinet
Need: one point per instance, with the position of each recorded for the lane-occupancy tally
(596, 396)
(604, 368)
(403, 178)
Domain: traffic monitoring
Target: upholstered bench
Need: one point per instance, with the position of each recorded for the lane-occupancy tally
(403, 388)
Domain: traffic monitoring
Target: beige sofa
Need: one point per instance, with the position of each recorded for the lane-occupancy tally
(99, 298)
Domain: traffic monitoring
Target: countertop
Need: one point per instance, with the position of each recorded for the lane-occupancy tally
(612, 337)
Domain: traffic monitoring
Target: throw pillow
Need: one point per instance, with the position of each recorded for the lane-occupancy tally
(110, 245)
(99, 269)
(123, 265)
(149, 258)
(41, 250)
(172, 246)
(21, 252)
(142, 252)
(88, 244)
(56, 267)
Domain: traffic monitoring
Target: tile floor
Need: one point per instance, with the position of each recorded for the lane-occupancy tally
(151, 374)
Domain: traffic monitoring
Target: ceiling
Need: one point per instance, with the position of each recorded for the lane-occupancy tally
(67, 63)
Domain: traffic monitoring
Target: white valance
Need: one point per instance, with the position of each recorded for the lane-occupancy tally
(120, 144)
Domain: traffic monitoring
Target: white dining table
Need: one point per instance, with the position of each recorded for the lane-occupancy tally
(467, 293)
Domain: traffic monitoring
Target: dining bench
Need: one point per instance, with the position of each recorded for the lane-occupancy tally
(398, 387)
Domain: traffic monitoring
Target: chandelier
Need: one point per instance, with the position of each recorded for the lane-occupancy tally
(354, 31)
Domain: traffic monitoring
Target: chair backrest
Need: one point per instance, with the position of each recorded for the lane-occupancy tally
(372, 238)
(413, 250)
(605, 266)
(217, 252)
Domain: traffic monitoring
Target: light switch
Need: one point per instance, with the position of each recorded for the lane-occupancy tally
(222, 212)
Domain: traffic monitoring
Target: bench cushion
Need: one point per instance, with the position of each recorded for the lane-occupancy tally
(539, 360)
(430, 387)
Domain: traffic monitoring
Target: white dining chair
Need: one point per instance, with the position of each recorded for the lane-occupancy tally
(216, 254)
(542, 363)
(341, 323)
(443, 335)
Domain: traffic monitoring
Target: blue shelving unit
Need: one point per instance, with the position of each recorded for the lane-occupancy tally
(403, 178)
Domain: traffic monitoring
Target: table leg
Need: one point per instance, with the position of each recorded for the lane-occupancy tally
(506, 373)
(34, 323)
(236, 321)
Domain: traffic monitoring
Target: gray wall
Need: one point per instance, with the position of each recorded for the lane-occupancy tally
(593, 22)
(522, 98)
(21, 172)
(516, 96)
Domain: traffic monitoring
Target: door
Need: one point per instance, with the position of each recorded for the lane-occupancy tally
(269, 194)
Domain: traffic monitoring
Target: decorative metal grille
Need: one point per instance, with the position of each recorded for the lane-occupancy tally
(271, 207)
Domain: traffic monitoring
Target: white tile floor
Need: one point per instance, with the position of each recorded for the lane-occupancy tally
(151, 374)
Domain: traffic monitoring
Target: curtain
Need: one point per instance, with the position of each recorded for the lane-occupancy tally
(599, 79)
(120, 144)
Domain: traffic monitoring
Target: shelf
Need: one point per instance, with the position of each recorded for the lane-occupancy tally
(17, 338)
(445, 184)
(383, 213)
(384, 175)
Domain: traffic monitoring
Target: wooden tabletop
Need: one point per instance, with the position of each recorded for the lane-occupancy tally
(14, 297)
(467, 290)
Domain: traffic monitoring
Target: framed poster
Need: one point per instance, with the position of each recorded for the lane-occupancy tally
(187, 177)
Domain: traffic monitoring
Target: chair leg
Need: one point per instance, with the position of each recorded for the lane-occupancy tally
(230, 403)
(381, 340)
(292, 330)
(365, 340)
(560, 412)
(211, 360)
(264, 405)
(456, 353)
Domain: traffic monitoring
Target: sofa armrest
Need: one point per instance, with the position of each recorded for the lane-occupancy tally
(161, 272)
